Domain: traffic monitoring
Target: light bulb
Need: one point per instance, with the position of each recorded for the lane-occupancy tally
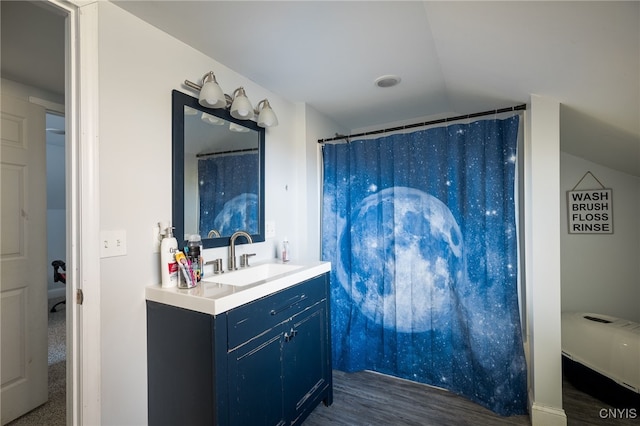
(241, 107)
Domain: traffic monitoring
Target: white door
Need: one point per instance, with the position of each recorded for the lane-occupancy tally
(23, 267)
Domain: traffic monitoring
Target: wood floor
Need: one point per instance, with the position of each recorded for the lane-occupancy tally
(366, 398)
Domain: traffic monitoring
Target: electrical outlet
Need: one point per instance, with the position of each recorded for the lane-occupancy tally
(269, 229)
(156, 238)
(113, 243)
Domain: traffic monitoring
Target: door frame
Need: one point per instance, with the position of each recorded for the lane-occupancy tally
(82, 204)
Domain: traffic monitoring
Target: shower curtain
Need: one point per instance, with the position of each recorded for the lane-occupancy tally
(228, 204)
(420, 229)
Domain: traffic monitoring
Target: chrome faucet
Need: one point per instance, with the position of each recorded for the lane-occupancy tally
(232, 247)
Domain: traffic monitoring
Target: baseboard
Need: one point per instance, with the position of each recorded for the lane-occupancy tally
(54, 293)
(542, 415)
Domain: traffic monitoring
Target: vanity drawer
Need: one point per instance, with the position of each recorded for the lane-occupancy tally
(252, 319)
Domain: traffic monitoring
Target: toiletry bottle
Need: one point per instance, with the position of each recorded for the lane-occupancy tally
(168, 264)
(195, 255)
(285, 250)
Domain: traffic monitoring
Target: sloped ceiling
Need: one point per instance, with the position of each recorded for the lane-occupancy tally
(452, 57)
(32, 45)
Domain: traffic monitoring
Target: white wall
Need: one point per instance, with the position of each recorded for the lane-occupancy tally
(22, 91)
(601, 272)
(138, 67)
(542, 254)
(317, 127)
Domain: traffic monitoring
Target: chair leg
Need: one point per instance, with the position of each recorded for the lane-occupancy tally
(53, 309)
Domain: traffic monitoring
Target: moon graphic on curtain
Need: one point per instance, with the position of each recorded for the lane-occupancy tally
(403, 265)
(233, 216)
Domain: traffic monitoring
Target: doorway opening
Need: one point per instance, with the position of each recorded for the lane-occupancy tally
(33, 39)
(56, 259)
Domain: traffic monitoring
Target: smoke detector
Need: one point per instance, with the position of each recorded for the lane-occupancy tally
(387, 81)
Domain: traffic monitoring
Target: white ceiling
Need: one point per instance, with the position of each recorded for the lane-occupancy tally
(32, 45)
(453, 58)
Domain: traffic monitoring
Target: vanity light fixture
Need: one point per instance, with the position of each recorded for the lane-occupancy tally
(239, 129)
(266, 116)
(190, 111)
(212, 96)
(211, 119)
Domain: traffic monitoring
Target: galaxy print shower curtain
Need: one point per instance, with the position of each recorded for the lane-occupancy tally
(227, 205)
(420, 229)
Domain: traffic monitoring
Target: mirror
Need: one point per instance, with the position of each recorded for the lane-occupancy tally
(218, 174)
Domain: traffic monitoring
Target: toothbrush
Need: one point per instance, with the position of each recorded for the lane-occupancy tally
(182, 261)
(190, 262)
(191, 271)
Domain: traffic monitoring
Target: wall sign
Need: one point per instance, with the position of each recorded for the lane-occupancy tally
(590, 211)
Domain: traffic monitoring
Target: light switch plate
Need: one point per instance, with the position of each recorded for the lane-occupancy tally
(269, 229)
(113, 243)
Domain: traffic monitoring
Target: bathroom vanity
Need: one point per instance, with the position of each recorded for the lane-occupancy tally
(250, 347)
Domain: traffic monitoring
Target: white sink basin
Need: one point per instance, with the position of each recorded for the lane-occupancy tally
(252, 274)
(217, 294)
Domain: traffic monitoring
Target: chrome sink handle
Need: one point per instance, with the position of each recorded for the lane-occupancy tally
(217, 266)
(244, 259)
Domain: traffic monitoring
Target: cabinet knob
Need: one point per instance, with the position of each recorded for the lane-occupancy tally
(290, 335)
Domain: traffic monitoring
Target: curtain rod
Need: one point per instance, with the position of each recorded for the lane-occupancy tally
(235, 151)
(427, 123)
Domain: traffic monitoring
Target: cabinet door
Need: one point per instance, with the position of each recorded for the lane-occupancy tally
(306, 361)
(256, 380)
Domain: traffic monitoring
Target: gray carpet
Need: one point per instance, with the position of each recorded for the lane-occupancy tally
(53, 412)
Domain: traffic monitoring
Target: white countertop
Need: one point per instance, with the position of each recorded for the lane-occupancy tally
(213, 298)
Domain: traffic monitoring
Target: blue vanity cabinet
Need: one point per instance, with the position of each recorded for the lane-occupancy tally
(266, 362)
(279, 358)
(186, 358)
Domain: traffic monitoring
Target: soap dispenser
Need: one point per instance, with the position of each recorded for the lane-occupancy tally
(286, 256)
(168, 264)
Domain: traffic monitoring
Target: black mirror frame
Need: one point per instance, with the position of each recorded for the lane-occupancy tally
(178, 102)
